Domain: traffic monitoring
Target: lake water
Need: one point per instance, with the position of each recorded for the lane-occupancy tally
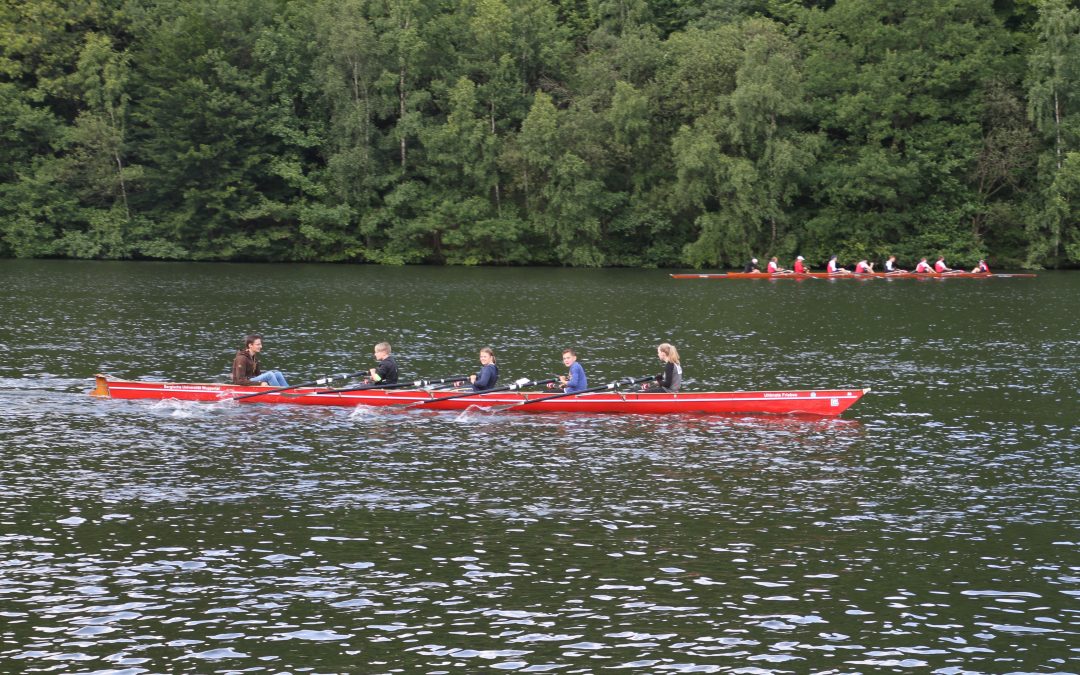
(934, 528)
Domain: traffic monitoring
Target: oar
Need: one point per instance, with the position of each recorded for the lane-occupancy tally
(517, 384)
(631, 381)
(401, 385)
(326, 379)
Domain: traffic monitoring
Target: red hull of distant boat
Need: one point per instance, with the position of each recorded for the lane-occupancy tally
(826, 403)
(826, 275)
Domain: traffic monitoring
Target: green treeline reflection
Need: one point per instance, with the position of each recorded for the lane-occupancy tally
(551, 132)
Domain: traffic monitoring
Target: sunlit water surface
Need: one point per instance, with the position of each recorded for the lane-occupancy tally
(934, 528)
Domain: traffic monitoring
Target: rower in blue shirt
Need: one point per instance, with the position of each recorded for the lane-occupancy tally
(489, 372)
(576, 380)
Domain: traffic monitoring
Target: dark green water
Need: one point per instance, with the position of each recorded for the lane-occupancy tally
(932, 529)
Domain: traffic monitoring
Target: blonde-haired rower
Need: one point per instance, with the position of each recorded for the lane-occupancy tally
(671, 379)
(489, 372)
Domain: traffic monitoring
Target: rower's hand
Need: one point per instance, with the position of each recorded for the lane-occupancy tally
(472, 379)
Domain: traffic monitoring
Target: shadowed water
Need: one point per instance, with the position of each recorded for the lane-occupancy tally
(934, 528)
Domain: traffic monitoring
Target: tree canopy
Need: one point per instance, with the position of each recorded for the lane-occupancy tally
(553, 132)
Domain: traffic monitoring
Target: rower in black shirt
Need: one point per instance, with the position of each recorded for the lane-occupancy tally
(387, 372)
(671, 379)
(751, 266)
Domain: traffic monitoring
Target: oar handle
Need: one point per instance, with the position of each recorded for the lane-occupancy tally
(439, 380)
(515, 385)
(544, 383)
(526, 382)
(325, 379)
(401, 385)
(629, 381)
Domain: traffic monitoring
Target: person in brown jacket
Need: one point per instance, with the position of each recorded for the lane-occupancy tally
(245, 367)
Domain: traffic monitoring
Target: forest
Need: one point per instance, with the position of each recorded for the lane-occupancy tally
(637, 133)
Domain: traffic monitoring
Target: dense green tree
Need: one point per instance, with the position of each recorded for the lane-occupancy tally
(462, 214)
(1062, 208)
(346, 72)
(62, 83)
(742, 156)
(1054, 106)
(95, 168)
(898, 88)
(574, 132)
(532, 164)
(206, 165)
(1003, 173)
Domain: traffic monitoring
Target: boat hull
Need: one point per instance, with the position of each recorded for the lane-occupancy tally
(867, 275)
(822, 403)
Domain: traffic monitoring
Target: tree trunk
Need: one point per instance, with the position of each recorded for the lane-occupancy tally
(1057, 126)
(119, 164)
(498, 197)
(401, 109)
(123, 187)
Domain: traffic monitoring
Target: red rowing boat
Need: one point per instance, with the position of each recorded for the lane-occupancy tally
(865, 275)
(828, 403)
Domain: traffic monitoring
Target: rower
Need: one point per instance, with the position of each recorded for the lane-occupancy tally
(245, 367)
(863, 267)
(891, 268)
(800, 268)
(923, 267)
(489, 372)
(774, 267)
(834, 268)
(751, 266)
(981, 268)
(671, 379)
(575, 381)
(941, 268)
(387, 372)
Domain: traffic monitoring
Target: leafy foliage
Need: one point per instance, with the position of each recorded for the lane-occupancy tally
(547, 132)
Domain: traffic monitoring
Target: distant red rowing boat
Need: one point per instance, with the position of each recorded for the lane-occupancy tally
(827, 403)
(869, 275)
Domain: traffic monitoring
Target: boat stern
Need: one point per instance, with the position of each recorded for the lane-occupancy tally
(101, 386)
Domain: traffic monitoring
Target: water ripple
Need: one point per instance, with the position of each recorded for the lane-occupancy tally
(930, 531)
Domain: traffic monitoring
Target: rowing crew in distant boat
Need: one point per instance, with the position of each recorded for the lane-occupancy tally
(863, 270)
(861, 267)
